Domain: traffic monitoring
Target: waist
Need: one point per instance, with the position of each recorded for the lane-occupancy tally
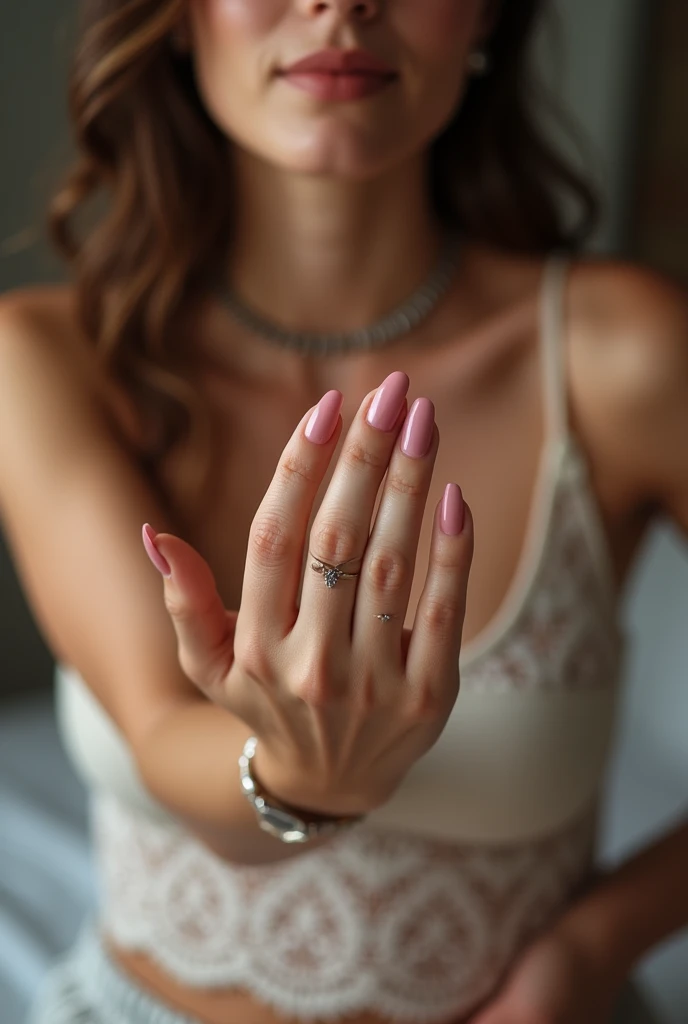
(376, 922)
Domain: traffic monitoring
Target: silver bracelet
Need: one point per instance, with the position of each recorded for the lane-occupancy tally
(275, 817)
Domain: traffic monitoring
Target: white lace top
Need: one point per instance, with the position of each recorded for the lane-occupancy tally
(417, 912)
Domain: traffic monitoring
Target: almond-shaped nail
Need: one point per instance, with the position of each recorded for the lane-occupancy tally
(452, 511)
(388, 401)
(323, 419)
(160, 563)
(418, 429)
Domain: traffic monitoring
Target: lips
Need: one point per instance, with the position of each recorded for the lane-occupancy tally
(340, 75)
(341, 62)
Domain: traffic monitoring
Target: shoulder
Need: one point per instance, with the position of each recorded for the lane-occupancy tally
(628, 356)
(41, 321)
(639, 315)
(23, 311)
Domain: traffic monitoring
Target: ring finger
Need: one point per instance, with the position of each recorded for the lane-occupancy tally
(387, 572)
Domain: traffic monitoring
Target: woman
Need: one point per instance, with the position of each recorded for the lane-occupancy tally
(283, 174)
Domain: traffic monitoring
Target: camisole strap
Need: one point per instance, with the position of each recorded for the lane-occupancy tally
(559, 434)
(552, 336)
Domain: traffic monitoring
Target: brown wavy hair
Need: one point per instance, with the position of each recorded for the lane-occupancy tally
(143, 136)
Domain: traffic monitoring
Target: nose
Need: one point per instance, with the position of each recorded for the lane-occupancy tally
(361, 9)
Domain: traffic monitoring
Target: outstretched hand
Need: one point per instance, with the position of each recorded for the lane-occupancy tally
(342, 698)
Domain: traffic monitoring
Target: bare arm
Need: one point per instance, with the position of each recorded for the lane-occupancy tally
(636, 906)
(645, 900)
(188, 761)
(72, 503)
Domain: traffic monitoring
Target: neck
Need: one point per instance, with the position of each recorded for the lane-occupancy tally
(317, 254)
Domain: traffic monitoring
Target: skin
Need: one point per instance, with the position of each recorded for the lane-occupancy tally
(329, 180)
(341, 188)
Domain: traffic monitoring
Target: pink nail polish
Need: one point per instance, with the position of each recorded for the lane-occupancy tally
(452, 511)
(160, 563)
(388, 401)
(418, 429)
(323, 419)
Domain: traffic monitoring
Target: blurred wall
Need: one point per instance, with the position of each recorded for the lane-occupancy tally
(593, 55)
(660, 200)
(34, 47)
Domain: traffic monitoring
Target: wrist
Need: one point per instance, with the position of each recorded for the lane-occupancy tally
(286, 791)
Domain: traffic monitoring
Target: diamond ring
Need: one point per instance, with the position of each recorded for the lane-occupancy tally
(332, 573)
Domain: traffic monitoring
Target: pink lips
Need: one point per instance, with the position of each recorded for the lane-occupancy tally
(340, 75)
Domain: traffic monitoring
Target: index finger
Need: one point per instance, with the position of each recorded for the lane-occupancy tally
(277, 536)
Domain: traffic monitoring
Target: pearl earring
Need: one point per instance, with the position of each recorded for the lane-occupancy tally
(478, 63)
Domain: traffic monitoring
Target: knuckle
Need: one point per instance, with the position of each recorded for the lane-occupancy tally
(405, 486)
(178, 607)
(450, 558)
(356, 455)
(426, 704)
(336, 541)
(389, 570)
(314, 688)
(295, 468)
(442, 617)
(270, 541)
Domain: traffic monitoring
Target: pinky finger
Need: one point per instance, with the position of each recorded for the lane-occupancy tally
(435, 644)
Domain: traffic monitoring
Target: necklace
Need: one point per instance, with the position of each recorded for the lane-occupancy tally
(401, 320)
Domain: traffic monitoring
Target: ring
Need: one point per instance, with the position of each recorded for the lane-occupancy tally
(385, 616)
(332, 573)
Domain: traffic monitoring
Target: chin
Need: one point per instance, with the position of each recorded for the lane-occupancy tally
(325, 167)
(339, 154)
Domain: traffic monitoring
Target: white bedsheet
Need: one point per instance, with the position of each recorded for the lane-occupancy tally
(47, 880)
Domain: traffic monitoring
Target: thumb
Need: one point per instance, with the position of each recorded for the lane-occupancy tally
(204, 628)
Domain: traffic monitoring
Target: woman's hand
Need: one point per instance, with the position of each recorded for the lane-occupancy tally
(556, 980)
(341, 701)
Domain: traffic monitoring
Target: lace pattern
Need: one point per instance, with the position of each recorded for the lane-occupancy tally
(415, 929)
(565, 633)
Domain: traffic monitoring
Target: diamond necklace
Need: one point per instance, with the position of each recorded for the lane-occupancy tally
(399, 321)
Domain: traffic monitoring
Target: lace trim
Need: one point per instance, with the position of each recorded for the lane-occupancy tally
(564, 633)
(414, 929)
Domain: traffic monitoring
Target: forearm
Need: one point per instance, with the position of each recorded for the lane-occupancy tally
(188, 762)
(635, 906)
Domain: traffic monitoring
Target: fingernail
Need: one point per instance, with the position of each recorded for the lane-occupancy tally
(156, 558)
(452, 511)
(389, 398)
(418, 429)
(323, 419)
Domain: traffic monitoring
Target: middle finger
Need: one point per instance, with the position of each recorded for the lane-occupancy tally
(342, 525)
